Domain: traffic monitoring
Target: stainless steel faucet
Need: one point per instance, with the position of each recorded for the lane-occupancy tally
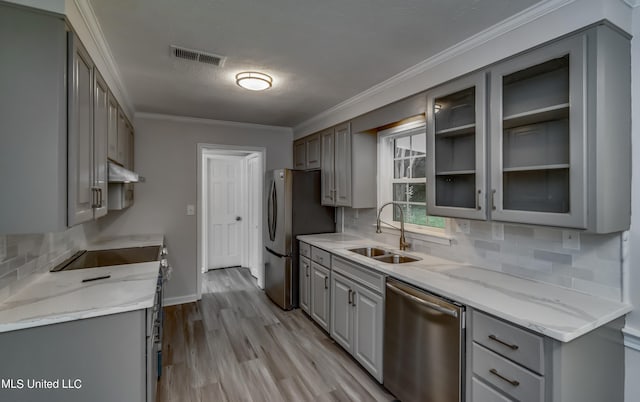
(403, 242)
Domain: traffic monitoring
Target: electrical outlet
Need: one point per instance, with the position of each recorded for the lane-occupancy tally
(571, 239)
(191, 209)
(463, 226)
(497, 231)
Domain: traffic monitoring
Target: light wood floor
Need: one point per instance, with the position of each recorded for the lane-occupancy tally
(236, 345)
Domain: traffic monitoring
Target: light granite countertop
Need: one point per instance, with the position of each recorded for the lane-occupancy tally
(56, 297)
(553, 311)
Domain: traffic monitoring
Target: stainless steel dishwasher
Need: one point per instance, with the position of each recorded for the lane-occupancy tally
(423, 345)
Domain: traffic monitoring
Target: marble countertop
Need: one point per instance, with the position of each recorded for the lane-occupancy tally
(56, 297)
(553, 311)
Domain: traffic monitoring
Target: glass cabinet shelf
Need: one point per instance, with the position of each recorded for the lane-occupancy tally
(459, 130)
(455, 172)
(555, 112)
(539, 167)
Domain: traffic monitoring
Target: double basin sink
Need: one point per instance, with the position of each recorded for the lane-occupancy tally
(383, 255)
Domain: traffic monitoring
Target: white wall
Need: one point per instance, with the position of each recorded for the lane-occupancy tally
(166, 155)
(633, 319)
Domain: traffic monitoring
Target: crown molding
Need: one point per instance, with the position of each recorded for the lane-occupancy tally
(632, 3)
(515, 21)
(631, 338)
(212, 122)
(91, 21)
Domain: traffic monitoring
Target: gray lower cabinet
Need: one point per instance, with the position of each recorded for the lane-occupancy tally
(509, 363)
(305, 279)
(320, 295)
(357, 310)
(104, 359)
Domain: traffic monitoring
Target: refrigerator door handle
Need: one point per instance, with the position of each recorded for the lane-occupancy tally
(272, 211)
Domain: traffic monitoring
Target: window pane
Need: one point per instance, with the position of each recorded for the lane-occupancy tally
(435, 221)
(418, 167)
(419, 144)
(417, 193)
(416, 214)
(401, 168)
(402, 147)
(399, 192)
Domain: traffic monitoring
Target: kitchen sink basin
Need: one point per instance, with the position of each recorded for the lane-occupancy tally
(369, 251)
(383, 255)
(396, 259)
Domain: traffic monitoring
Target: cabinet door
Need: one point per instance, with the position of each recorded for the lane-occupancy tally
(113, 128)
(100, 139)
(305, 277)
(342, 163)
(327, 174)
(456, 149)
(368, 330)
(122, 138)
(313, 152)
(81, 196)
(320, 295)
(300, 155)
(342, 311)
(538, 136)
(130, 147)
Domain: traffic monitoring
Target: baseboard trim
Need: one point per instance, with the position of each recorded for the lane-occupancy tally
(631, 338)
(172, 301)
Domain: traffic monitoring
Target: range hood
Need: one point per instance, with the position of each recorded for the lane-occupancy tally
(118, 174)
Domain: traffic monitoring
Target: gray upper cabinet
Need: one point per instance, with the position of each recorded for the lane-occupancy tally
(82, 194)
(456, 148)
(100, 137)
(306, 153)
(560, 134)
(33, 120)
(348, 168)
(113, 128)
(538, 136)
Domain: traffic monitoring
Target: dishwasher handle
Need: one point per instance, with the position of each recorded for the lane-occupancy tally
(422, 302)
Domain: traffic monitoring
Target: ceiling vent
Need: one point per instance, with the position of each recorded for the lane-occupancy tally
(197, 56)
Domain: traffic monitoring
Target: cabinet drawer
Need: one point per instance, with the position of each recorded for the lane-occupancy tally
(358, 273)
(481, 392)
(512, 379)
(305, 250)
(320, 256)
(517, 344)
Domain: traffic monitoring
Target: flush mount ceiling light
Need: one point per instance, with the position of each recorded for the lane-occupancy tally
(254, 81)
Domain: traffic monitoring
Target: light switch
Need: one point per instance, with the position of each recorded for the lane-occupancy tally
(191, 209)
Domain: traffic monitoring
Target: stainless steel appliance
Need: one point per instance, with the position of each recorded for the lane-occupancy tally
(293, 208)
(423, 345)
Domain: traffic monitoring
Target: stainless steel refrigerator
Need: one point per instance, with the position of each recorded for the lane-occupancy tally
(292, 208)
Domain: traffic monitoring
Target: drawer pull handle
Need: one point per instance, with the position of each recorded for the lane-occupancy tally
(515, 383)
(349, 298)
(500, 341)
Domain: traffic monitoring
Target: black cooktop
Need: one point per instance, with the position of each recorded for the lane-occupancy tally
(101, 258)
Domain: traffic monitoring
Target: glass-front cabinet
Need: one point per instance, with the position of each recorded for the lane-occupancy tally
(538, 138)
(456, 148)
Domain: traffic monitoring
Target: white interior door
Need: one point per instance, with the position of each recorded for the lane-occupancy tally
(225, 212)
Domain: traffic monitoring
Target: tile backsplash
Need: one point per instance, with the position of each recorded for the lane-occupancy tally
(534, 252)
(23, 255)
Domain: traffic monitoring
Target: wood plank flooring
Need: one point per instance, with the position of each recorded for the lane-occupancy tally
(236, 345)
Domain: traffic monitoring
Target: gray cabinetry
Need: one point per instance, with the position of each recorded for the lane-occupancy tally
(357, 308)
(306, 153)
(107, 354)
(560, 134)
(348, 162)
(305, 278)
(100, 145)
(456, 148)
(508, 363)
(320, 295)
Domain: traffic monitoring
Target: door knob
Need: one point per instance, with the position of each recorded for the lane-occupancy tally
(238, 218)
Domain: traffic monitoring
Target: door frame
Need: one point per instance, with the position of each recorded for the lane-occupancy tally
(205, 152)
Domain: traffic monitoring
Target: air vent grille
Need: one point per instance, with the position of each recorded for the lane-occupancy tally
(197, 56)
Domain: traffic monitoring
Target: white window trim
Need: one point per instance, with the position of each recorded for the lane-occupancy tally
(384, 191)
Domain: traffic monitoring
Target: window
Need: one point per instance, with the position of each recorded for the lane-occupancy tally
(402, 175)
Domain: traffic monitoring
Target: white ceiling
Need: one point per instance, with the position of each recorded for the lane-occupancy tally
(320, 53)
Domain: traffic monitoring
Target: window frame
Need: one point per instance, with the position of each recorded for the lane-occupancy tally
(386, 178)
